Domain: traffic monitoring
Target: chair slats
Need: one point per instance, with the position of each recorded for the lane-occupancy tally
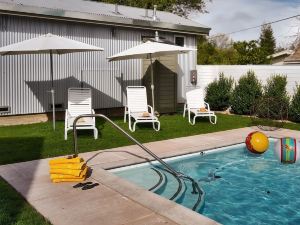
(195, 98)
(137, 99)
(79, 103)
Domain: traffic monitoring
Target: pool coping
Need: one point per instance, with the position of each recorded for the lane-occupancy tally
(43, 195)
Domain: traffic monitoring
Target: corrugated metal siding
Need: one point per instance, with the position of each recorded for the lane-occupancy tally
(25, 79)
(207, 73)
(186, 63)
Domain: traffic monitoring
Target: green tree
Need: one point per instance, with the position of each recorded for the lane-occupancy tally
(266, 40)
(246, 93)
(276, 98)
(179, 7)
(210, 54)
(294, 113)
(250, 53)
(218, 93)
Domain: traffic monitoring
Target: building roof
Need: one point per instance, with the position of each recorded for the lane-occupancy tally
(101, 13)
(294, 58)
(286, 52)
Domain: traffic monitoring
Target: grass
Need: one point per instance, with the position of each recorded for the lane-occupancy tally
(36, 141)
(15, 210)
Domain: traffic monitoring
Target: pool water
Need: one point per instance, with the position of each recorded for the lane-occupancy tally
(240, 188)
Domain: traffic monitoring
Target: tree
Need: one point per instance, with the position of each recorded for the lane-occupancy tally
(222, 41)
(267, 40)
(294, 113)
(218, 92)
(210, 54)
(179, 7)
(250, 53)
(246, 93)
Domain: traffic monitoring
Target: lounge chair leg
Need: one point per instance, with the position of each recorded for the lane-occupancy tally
(184, 110)
(95, 133)
(129, 124)
(66, 134)
(193, 123)
(194, 120)
(158, 125)
(215, 119)
(134, 125)
(125, 114)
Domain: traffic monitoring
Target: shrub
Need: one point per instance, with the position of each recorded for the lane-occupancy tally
(276, 98)
(218, 93)
(246, 93)
(294, 113)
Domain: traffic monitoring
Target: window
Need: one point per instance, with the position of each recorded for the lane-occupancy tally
(4, 109)
(179, 40)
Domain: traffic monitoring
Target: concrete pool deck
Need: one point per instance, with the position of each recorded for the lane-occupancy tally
(116, 201)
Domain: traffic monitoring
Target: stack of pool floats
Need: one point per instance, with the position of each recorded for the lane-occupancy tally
(68, 170)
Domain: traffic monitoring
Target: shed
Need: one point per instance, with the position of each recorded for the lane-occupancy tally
(24, 79)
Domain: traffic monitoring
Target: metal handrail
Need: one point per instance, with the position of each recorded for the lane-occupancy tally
(195, 186)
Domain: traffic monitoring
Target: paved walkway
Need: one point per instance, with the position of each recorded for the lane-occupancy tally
(116, 201)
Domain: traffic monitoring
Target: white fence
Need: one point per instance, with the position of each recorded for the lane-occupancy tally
(207, 73)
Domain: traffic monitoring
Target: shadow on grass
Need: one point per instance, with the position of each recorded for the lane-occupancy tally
(20, 149)
(13, 208)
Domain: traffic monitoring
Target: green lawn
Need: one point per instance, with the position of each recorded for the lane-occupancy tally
(36, 141)
(14, 210)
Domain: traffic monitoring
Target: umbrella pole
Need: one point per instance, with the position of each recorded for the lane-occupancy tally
(152, 83)
(52, 90)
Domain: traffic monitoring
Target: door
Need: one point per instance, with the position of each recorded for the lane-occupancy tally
(165, 82)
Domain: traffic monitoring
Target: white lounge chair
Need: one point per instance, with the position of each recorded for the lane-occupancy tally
(80, 102)
(138, 109)
(196, 105)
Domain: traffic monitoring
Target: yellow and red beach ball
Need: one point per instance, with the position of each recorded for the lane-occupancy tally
(257, 142)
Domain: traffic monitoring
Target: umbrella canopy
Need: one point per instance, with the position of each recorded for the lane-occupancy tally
(48, 43)
(51, 44)
(148, 50)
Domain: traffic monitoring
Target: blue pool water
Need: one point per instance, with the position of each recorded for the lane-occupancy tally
(240, 188)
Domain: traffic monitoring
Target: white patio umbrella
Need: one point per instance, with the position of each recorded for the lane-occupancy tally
(148, 50)
(50, 44)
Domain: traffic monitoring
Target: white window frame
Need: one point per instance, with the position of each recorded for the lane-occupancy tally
(182, 36)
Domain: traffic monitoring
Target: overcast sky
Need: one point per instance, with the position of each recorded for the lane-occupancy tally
(226, 16)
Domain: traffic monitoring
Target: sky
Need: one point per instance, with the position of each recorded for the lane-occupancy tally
(226, 16)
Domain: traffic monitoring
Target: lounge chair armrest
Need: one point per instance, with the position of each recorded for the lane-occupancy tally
(151, 109)
(93, 112)
(207, 106)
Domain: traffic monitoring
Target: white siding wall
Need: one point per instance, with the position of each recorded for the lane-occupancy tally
(207, 73)
(25, 79)
(186, 63)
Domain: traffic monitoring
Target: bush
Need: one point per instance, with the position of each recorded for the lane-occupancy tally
(218, 93)
(276, 98)
(294, 113)
(246, 93)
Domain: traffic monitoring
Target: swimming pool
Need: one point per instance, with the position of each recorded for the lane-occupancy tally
(240, 188)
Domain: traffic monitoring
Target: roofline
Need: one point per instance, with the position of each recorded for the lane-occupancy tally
(63, 15)
(292, 61)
